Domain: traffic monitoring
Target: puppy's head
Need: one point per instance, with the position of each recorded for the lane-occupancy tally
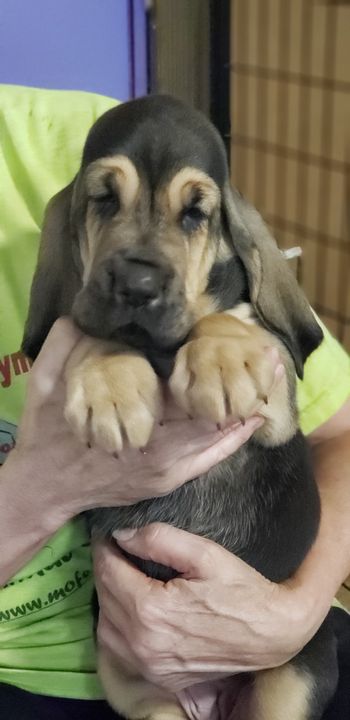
(146, 209)
(149, 238)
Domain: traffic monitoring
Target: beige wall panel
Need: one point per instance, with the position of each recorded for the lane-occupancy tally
(309, 190)
(296, 12)
(308, 275)
(333, 258)
(318, 38)
(342, 49)
(337, 202)
(341, 119)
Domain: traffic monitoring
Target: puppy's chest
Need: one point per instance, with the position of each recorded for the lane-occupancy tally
(251, 504)
(213, 505)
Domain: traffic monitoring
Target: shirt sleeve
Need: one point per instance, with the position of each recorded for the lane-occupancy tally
(326, 384)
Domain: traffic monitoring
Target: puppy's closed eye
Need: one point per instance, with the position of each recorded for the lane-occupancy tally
(192, 218)
(106, 203)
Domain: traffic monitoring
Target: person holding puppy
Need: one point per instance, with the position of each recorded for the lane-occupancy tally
(44, 485)
(220, 617)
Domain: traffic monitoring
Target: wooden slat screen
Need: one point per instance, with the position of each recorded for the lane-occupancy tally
(290, 144)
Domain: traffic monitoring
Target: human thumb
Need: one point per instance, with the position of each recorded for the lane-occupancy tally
(60, 342)
(192, 556)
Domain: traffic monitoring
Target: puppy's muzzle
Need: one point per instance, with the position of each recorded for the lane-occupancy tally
(137, 297)
(135, 282)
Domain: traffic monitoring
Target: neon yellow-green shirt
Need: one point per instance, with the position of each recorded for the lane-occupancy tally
(46, 643)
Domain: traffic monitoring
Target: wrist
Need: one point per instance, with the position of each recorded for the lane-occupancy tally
(32, 500)
(26, 520)
(313, 587)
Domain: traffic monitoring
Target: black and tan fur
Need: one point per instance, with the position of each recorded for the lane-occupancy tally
(172, 274)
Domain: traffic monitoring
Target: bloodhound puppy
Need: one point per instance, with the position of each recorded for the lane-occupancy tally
(173, 275)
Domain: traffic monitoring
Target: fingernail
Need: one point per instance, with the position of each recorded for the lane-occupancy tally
(125, 535)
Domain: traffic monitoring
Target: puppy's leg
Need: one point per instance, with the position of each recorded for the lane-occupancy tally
(112, 394)
(301, 689)
(134, 697)
(283, 693)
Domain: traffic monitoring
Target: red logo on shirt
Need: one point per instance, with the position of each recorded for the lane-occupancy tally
(15, 364)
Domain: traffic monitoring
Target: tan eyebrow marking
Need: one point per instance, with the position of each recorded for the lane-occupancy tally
(184, 183)
(125, 175)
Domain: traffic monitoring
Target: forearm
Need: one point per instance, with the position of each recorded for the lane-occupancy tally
(28, 517)
(328, 563)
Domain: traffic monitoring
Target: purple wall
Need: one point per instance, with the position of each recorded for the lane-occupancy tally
(95, 45)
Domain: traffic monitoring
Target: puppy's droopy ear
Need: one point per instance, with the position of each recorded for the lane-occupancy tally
(56, 278)
(274, 292)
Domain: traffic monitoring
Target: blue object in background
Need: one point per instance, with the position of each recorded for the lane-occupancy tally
(94, 45)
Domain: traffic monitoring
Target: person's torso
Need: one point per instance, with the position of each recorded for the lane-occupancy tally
(46, 642)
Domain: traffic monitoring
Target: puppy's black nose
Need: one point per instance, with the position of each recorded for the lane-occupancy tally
(139, 282)
(133, 281)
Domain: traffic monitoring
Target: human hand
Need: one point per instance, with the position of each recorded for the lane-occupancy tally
(71, 478)
(218, 618)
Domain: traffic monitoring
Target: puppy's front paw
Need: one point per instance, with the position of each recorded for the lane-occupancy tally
(112, 398)
(219, 377)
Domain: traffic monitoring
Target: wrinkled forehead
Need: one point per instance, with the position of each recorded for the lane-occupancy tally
(160, 137)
